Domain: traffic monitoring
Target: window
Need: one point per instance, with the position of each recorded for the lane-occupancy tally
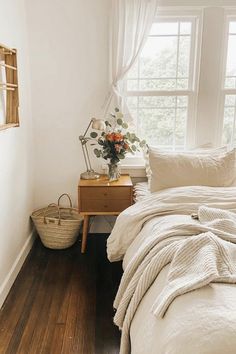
(8, 88)
(229, 89)
(161, 86)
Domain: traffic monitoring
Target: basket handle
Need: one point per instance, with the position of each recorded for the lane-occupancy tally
(64, 194)
(45, 211)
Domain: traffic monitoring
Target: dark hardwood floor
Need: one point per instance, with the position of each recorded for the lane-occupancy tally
(61, 302)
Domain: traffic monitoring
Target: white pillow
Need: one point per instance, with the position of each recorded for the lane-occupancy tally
(202, 149)
(169, 169)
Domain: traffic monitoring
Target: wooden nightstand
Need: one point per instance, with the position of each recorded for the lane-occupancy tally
(101, 197)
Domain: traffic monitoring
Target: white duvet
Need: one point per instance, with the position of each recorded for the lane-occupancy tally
(203, 321)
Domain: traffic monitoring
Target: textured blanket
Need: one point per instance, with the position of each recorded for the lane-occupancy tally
(199, 253)
(181, 200)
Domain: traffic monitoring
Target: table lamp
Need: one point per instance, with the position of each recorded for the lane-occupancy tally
(97, 124)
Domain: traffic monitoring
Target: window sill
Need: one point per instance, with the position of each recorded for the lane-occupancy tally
(133, 165)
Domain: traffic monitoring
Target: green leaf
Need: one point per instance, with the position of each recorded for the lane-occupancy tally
(119, 121)
(125, 125)
(120, 156)
(93, 135)
(133, 147)
(142, 143)
(117, 109)
(97, 152)
(119, 115)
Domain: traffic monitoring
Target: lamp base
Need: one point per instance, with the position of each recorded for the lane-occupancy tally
(90, 175)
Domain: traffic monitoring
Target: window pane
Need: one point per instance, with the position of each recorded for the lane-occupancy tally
(182, 84)
(157, 101)
(232, 27)
(230, 82)
(133, 73)
(231, 57)
(164, 28)
(166, 55)
(180, 126)
(132, 85)
(156, 125)
(185, 27)
(132, 102)
(229, 119)
(159, 84)
(161, 120)
(164, 62)
(182, 101)
(230, 100)
(184, 56)
(228, 134)
(158, 58)
(163, 65)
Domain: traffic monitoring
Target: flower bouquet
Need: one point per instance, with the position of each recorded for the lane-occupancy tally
(115, 142)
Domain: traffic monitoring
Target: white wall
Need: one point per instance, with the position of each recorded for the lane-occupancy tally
(69, 62)
(69, 57)
(16, 169)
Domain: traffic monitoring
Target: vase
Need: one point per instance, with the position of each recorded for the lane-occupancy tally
(113, 172)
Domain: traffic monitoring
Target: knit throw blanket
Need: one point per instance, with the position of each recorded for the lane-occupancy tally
(205, 254)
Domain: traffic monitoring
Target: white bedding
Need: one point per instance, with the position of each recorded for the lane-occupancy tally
(200, 322)
(203, 321)
(141, 190)
(172, 201)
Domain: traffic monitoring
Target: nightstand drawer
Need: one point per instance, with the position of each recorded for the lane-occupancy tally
(99, 205)
(91, 193)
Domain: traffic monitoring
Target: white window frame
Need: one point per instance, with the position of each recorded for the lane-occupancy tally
(184, 15)
(230, 14)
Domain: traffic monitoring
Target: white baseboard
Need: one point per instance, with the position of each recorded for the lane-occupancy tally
(11, 276)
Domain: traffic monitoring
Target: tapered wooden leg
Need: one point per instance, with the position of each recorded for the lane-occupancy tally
(85, 233)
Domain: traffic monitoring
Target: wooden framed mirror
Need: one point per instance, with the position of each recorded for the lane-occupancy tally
(9, 98)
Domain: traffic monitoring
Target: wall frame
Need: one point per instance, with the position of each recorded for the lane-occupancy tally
(9, 97)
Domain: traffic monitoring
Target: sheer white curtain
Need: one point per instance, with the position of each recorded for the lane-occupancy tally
(131, 21)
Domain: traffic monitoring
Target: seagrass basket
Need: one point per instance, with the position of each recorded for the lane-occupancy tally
(57, 226)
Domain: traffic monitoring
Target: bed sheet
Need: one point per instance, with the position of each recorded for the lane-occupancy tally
(200, 322)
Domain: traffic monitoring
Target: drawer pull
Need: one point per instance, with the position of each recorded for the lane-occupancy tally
(105, 206)
(105, 194)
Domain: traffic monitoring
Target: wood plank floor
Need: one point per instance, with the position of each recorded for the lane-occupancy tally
(61, 302)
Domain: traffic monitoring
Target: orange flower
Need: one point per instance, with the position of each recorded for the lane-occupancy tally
(117, 137)
(109, 137)
(114, 137)
(125, 146)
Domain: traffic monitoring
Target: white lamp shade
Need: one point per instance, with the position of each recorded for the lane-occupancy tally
(98, 124)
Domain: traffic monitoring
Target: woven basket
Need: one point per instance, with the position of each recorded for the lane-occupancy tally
(57, 226)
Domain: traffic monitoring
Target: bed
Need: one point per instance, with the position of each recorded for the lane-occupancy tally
(177, 294)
